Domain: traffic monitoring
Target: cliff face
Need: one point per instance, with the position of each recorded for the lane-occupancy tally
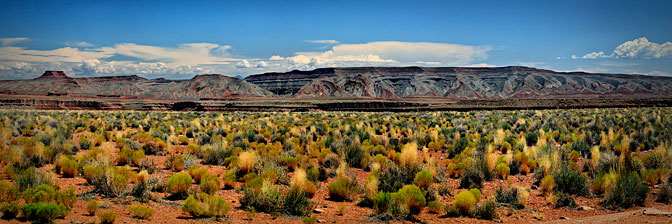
(204, 86)
(363, 82)
(459, 83)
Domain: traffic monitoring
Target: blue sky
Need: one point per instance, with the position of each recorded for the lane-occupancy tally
(181, 39)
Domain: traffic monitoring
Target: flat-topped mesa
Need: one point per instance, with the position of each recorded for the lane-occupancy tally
(53, 75)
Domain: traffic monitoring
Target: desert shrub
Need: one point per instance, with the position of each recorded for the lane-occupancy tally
(300, 181)
(91, 172)
(472, 178)
(654, 161)
(628, 190)
(246, 161)
(341, 189)
(513, 197)
(43, 212)
(395, 177)
(68, 167)
(563, 200)
(178, 185)
(175, 162)
(9, 209)
(92, 207)
(110, 183)
(408, 200)
(650, 176)
(486, 210)
(409, 155)
(434, 207)
(571, 182)
(451, 211)
(423, 179)
(531, 138)
(209, 184)
(502, 170)
(8, 192)
(309, 220)
(464, 202)
(547, 184)
(41, 193)
(266, 199)
(66, 197)
(296, 203)
(229, 180)
(664, 194)
(197, 172)
(354, 155)
(140, 211)
(107, 217)
(204, 205)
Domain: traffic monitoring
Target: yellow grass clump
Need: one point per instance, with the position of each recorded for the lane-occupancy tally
(409, 154)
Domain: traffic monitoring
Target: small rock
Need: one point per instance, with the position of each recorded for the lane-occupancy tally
(564, 217)
(586, 208)
(655, 211)
(320, 220)
(318, 211)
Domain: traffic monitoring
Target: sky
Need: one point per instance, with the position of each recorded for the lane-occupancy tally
(180, 39)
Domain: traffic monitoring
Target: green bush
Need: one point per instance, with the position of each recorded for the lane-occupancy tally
(8, 192)
(508, 196)
(66, 197)
(563, 200)
(140, 211)
(262, 200)
(296, 203)
(309, 220)
(92, 207)
(43, 212)
(531, 138)
(341, 189)
(9, 210)
(476, 193)
(41, 193)
(382, 201)
(204, 205)
(423, 179)
(91, 172)
(452, 211)
(486, 210)
(434, 207)
(408, 200)
(178, 185)
(627, 192)
(664, 194)
(571, 182)
(107, 217)
(209, 184)
(472, 178)
(68, 167)
(229, 180)
(464, 202)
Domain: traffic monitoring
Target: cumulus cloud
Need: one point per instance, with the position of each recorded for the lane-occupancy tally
(638, 48)
(185, 60)
(322, 41)
(79, 44)
(659, 73)
(12, 41)
(391, 53)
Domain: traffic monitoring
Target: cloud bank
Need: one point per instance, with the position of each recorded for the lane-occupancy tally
(186, 60)
(638, 48)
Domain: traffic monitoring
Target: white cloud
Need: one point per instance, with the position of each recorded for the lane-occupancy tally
(659, 73)
(79, 44)
(391, 53)
(638, 48)
(185, 60)
(12, 41)
(479, 65)
(532, 63)
(322, 41)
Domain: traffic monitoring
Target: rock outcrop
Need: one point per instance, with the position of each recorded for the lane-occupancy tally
(203, 86)
(458, 83)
